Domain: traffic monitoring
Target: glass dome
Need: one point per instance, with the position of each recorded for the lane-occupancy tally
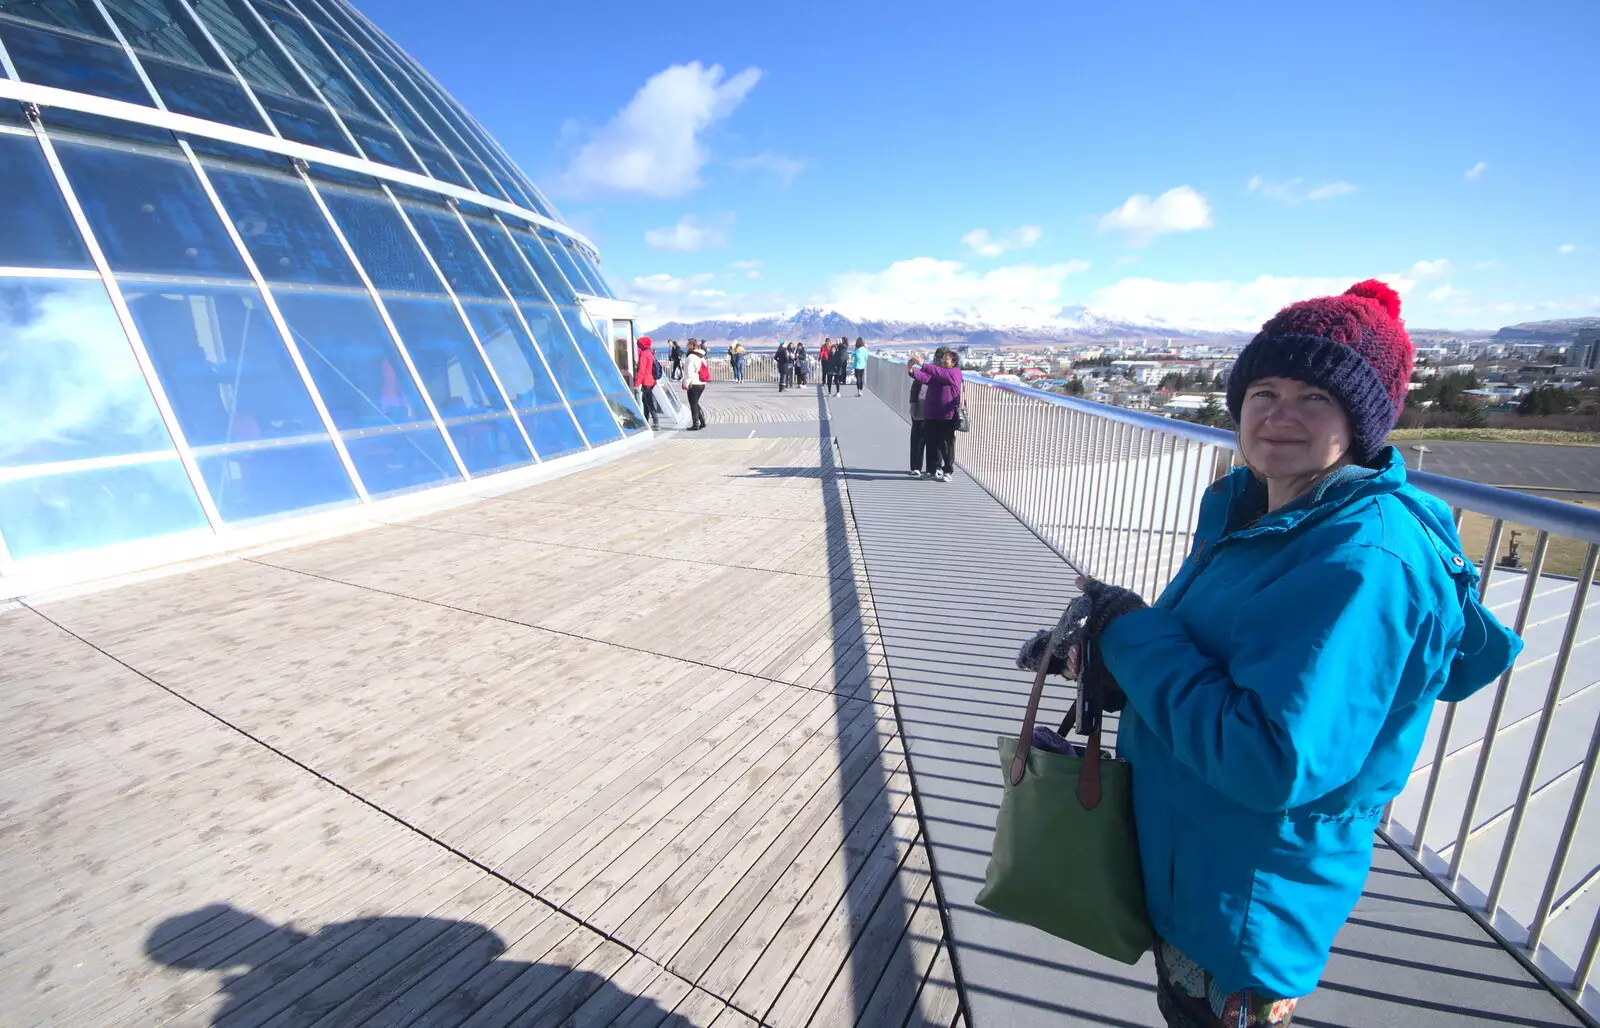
(255, 265)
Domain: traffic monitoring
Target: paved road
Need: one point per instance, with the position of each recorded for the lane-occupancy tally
(1530, 466)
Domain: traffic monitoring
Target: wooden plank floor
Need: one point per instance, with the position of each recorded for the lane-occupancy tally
(614, 749)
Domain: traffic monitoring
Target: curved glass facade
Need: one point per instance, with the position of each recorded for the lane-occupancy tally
(256, 263)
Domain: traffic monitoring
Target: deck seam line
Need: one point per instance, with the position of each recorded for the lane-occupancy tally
(553, 631)
(385, 812)
(956, 975)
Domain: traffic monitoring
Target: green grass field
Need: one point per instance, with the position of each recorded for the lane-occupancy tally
(1496, 435)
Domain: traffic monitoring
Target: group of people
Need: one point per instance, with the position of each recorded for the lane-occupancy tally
(688, 365)
(935, 413)
(838, 361)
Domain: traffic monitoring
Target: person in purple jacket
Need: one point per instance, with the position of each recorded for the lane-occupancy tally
(941, 403)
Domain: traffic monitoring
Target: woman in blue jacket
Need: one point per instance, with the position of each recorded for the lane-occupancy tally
(1278, 691)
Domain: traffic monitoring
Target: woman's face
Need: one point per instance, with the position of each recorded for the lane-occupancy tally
(946, 360)
(1289, 429)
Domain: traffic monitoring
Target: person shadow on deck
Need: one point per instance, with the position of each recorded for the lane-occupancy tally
(386, 970)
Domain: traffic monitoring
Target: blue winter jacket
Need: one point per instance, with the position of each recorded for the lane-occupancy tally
(1278, 693)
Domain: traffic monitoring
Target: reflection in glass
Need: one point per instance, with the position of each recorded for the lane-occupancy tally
(66, 62)
(203, 94)
(77, 15)
(459, 384)
(368, 390)
(283, 228)
(161, 27)
(308, 52)
(71, 391)
(596, 352)
(382, 243)
(149, 213)
(448, 243)
(588, 406)
(71, 388)
(36, 229)
(62, 513)
(534, 395)
(239, 399)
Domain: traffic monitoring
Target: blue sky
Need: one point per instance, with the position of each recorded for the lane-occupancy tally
(1156, 160)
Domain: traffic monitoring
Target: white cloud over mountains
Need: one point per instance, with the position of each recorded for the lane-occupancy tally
(1142, 219)
(928, 289)
(653, 145)
(986, 244)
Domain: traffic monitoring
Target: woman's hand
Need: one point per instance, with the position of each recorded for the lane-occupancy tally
(1107, 603)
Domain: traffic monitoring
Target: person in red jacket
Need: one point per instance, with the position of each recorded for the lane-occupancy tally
(646, 368)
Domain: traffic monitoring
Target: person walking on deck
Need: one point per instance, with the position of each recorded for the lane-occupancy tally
(675, 358)
(645, 375)
(825, 359)
(839, 358)
(941, 405)
(696, 373)
(1275, 697)
(859, 359)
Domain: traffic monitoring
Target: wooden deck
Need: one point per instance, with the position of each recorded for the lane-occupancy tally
(615, 749)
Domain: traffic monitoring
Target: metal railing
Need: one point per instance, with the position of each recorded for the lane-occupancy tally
(1116, 493)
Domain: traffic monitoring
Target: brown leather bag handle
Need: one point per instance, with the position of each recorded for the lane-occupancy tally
(1089, 775)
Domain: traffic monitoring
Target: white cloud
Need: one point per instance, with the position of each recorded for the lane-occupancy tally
(1430, 269)
(653, 146)
(1126, 259)
(1565, 248)
(663, 298)
(1445, 292)
(1330, 190)
(981, 242)
(927, 289)
(781, 167)
(1475, 172)
(1294, 191)
(1141, 219)
(1213, 305)
(689, 235)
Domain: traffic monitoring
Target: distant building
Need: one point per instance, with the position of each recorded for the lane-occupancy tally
(1585, 351)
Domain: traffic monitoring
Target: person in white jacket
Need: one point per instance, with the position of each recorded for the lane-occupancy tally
(696, 373)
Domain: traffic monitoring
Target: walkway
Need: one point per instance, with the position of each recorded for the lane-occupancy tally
(611, 749)
(957, 583)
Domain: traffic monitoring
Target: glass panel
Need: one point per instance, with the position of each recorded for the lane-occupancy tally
(66, 62)
(315, 60)
(381, 91)
(305, 122)
(284, 229)
(563, 259)
(549, 275)
(71, 388)
(203, 95)
(36, 229)
(78, 15)
(598, 422)
(383, 244)
(243, 406)
(512, 268)
(459, 384)
(440, 166)
(258, 59)
(161, 27)
(382, 145)
(266, 480)
(532, 392)
(149, 213)
(559, 351)
(463, 268)
(61, 513)
(592, 269)
(368, 390)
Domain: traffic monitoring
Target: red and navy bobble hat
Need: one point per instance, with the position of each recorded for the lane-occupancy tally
(1353, 345)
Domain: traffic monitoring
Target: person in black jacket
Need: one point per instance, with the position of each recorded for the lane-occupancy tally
(801, 363)
(782, 359)
(675, 357)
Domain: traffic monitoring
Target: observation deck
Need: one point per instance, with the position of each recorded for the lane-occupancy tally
(703, 734)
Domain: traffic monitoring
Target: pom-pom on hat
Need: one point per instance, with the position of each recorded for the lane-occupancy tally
(1353, 345)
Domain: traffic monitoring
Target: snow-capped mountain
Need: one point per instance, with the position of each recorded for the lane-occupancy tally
(1069, 324)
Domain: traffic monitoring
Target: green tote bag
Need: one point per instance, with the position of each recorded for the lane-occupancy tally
(1065, 857)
